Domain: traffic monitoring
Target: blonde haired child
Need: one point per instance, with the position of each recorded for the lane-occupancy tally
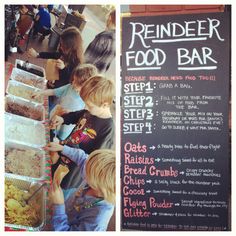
(94, 126)
(100, 173)
(98, 91)
(90, 207)
(69, 95)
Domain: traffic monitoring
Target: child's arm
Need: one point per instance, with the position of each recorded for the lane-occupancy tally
(56, 121)
(68, 118)
(59, 218)
(59, 92)
(76, 155)
(45, 55)
(47, 92)
(72, 117)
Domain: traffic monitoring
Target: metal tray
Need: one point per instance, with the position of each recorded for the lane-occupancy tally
(28, 78)
(24, 91)
(26, 156)
(40, 200)
(29, 66)
(24, 131)
(21, 107)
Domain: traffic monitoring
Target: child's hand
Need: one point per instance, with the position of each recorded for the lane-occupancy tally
(56, 121)
(32, 53)
(36, 95)
(54, 156)
(56, 195)
(51, 84)
(54, 147)
(60, 64)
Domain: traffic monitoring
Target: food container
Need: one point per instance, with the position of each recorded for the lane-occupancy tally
(21, 107)
(23, 160)
(28, 78)
(30, 68)
(24, 131)
(24, 91)
(37, 204)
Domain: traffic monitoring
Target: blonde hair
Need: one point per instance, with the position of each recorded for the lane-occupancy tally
(101, 173)
(81, 73)
(98, 90)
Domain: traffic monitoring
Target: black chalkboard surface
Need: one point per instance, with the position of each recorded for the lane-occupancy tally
(175, 161)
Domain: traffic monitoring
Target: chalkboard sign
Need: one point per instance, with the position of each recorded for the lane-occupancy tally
(175, 160)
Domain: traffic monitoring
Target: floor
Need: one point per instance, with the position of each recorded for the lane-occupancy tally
(92, 27)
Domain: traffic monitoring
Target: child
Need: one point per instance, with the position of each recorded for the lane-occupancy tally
(101, 51)
(94, 127)
(70, 99)
(68, 57)
(90, 207)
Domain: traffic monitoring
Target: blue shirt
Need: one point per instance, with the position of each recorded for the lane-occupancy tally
(71, 101)
(44, 18)
(69, 98)
(95, 218)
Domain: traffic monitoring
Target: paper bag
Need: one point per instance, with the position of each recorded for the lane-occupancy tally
(58, 110)
(54, 156)
(52, 72)
(59, 174)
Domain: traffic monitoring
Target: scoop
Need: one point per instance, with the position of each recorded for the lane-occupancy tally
(26, 65)
(34, 193)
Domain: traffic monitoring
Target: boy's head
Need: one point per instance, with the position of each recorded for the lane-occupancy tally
(100, 172)
(98, 91)
(82, 73)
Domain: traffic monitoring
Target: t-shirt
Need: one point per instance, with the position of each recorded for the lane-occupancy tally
(71, 101)
(69, 98)
(44, 20)
(67, 218)
(89, 134)
(95, 218)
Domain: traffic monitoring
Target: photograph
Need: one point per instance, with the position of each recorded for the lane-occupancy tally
(60, 160)
(175, 118)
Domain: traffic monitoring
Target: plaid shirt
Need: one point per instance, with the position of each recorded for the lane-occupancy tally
(101, 50)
